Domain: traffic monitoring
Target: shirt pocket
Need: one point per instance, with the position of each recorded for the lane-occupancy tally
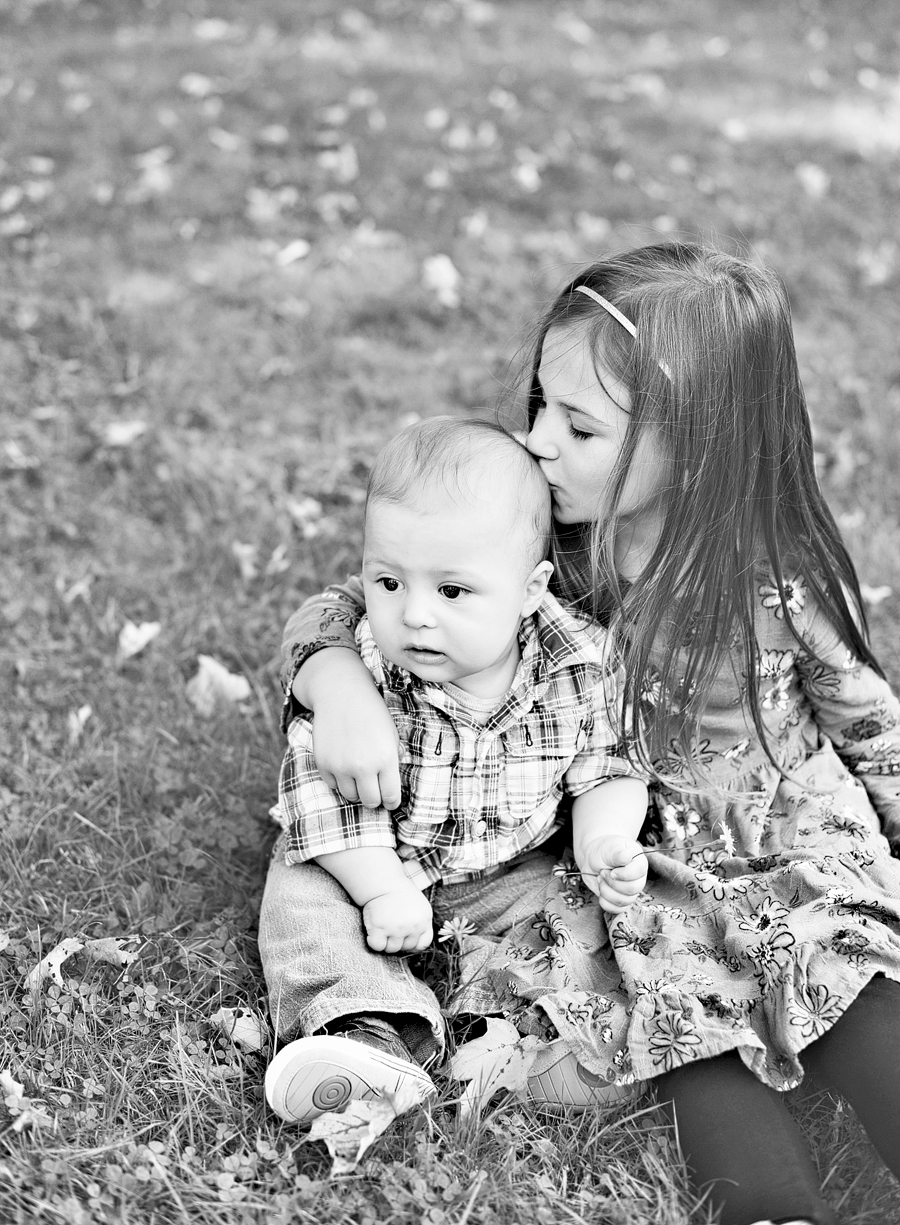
(534, 764)
(428, 757)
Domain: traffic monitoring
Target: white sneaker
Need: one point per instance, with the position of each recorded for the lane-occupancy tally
(558, 1079)
(313, 1075)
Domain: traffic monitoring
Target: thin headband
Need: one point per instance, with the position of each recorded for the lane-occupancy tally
(619, 317)
(608, 306)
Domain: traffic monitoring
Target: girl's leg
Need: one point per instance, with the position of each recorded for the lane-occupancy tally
(317, 964)
(859, 1057)
(741, 1144)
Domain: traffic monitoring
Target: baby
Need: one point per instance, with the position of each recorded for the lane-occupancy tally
(500, 701)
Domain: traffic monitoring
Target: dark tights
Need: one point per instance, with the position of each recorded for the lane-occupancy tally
(741, 1143)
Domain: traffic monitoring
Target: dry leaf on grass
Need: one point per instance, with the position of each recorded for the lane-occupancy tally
(76, 720)
(441, 278)
(243, 1027)
(349, 1135)
(112, 949)
(874, 596)
(213, 686)
(133, 638)
(23, 1110)
(501, 1059)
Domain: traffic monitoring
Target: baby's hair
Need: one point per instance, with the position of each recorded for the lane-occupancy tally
(454, 453)
(711, 369)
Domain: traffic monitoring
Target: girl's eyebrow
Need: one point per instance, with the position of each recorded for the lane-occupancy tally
(573, 408)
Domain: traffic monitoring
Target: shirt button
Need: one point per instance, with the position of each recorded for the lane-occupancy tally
(479, 828)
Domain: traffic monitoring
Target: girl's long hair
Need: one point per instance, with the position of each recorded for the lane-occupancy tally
(713, 372)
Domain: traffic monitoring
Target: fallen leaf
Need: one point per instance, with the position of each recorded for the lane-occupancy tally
(574, 28)
(17, 458)
(875, 595)
(307, 514)
(878, 264)
(501, 1059)
(246, 559)
(298, 249)
(274, 134)
(350, 1134)
(123, 433)
(133, 638)
(213, 29)
(24, 1111)
(279, 561)
(214, 685)
(114, 950)
(10, 198)
(243, 1027)
(197, 85)
(76, 721)
(49, 966)
(228, 142)
(343, 163)
(440, 277)
(813, 179)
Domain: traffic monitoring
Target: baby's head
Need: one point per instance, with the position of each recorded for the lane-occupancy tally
(456, 537)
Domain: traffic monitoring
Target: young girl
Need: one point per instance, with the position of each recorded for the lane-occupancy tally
(666, 410)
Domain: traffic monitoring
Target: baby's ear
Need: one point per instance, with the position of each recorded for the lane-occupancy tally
(536, 586)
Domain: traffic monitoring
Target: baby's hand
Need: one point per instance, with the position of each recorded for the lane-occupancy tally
(398, 922)
(615, 868)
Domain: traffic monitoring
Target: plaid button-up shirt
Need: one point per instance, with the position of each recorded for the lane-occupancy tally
(475, 795)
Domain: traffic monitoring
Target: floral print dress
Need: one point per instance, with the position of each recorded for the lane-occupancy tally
(772, 897)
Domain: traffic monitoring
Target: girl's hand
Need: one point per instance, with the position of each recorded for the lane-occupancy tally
(615, 868)
(355, 743)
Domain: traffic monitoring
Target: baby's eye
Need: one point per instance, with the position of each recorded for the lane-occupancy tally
(389, 584)
(451, 591)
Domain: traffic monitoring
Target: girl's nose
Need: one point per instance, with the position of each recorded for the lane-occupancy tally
(540, 438)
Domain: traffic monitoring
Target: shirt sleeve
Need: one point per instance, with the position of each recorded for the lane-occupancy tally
(859, 713)
(601, 750)
(316, 819)
(325, 620)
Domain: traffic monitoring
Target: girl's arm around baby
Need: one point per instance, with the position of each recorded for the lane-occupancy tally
(354, 740)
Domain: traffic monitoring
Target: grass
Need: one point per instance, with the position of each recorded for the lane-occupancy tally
(174, 391)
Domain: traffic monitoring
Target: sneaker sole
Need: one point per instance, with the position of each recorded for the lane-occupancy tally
(564, 1082)
(311, 1076)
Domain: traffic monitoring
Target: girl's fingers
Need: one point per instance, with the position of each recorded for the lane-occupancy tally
(346, 784)
(368, 792)
(389, 786)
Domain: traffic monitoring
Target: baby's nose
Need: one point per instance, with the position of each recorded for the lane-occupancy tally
(417, 611)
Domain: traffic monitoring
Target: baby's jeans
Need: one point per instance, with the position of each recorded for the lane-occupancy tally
(319, 968)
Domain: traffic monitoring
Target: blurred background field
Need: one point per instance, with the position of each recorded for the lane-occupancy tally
(241, 245)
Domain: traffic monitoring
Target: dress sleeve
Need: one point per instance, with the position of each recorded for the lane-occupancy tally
(325, 620)
(316, 819)
(601, 753)
(859, 713)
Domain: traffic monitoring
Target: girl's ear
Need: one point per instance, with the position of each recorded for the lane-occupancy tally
(536, 586)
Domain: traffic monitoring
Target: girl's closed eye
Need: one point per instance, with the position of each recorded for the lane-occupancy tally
(575, 432)
(452, 591)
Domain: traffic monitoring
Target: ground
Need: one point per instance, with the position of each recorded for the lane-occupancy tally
(219, 226)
